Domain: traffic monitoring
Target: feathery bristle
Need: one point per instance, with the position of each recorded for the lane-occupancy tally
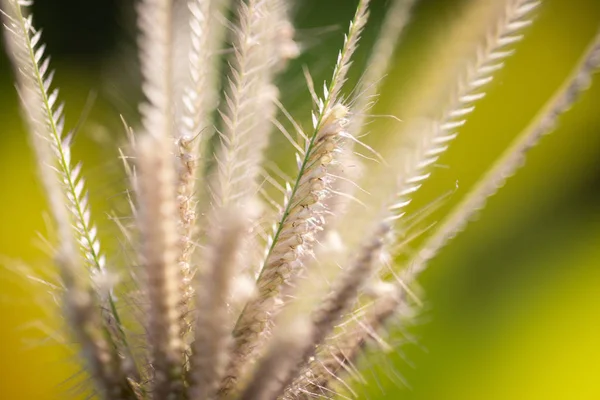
(336, 354)
(301, 220)
(275, 371)
(489, 60)
(157, 223)
(512, 159)
(154, 22)
(340, 299)
(210, 346)
(249, 100)
(192, 136)
(396, 20)
(345, 56)
(90, 305)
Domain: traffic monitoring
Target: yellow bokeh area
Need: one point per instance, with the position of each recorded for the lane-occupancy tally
(511, 307)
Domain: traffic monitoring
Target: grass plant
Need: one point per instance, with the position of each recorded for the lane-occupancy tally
(249, 284)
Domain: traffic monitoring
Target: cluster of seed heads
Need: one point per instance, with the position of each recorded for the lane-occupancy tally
(217, 318)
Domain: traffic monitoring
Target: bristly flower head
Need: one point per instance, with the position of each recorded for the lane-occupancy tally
(231, 309)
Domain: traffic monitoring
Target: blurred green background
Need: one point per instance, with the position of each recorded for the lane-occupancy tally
(512, 306)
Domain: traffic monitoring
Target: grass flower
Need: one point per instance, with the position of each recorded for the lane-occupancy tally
(219, 318)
